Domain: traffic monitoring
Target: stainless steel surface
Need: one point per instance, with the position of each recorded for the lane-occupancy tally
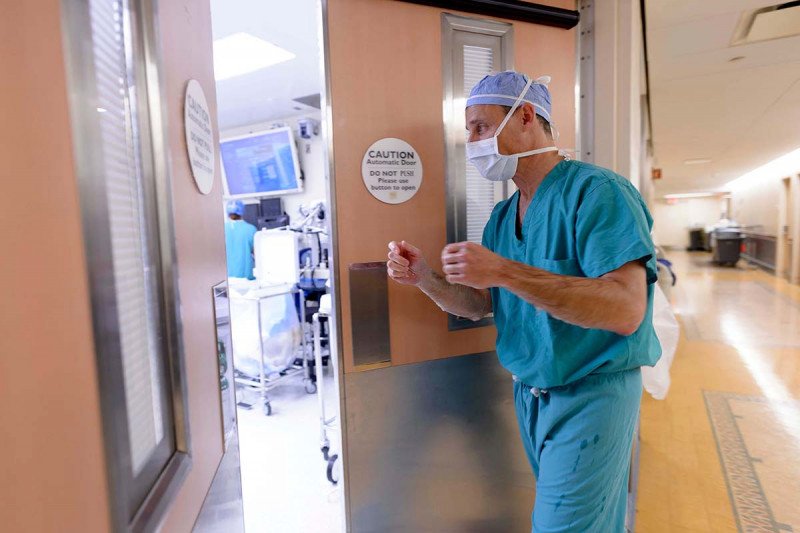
(498, 36)
(369, 307)
(434, 447)
(335, 326)
(159, 147)
(325, 423)
(761, 250)
(89, 170)
(222, 319)
(585, 83)
(222, 510)
(457, 31)
(149, 515)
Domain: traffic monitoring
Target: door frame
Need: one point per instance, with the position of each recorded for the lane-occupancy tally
(335, 319)
(787, 264)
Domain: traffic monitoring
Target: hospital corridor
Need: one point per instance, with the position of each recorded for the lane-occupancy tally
(400, 266)
(727, 435)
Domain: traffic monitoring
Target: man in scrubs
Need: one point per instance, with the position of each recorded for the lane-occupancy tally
(239, 236)
(567, 266)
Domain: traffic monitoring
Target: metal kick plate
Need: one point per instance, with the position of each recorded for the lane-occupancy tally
(435, 447)
(369, 311)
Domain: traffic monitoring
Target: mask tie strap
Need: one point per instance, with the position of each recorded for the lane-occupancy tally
(537, 151)
(514, 107)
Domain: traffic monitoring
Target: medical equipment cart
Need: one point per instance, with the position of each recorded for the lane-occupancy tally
(263, 383)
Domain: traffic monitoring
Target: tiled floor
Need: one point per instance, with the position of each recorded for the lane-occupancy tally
(733, 402)
(284, 484)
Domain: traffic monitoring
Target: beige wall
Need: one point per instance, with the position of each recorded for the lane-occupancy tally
(758, 203)
(761, 203)
(387, 82)
(619, 86)
(672, 222)
(52, 472)
(185, 28)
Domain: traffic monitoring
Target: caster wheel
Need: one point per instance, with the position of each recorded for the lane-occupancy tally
(325, 450)
(311, 387)
(333, 471)
(268, 409)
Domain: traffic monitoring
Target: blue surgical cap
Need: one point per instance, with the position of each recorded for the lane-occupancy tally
(505, 87)
(235, 208)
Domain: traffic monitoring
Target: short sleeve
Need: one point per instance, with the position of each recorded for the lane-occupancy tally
(612, 229)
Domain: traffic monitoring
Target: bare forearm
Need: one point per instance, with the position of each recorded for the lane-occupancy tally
(595, 303)
(455, 299)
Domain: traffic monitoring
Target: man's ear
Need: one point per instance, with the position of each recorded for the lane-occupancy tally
(528, 113)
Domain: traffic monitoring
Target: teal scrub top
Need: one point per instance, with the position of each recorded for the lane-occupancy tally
(239, 247)
(583, 221)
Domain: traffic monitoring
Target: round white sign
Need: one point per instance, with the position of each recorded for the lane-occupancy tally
(199, 136)
(392, 170)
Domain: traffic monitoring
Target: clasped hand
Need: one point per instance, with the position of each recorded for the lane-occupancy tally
(473, 265)
(465, 263)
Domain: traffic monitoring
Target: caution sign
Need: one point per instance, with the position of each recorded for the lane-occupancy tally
(392, 170)
(199, 136)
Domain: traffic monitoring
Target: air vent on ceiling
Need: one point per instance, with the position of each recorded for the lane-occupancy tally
(312, 100)
(767, 23)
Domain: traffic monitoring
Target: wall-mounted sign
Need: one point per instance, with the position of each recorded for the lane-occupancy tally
(392, 170)
(199, 136)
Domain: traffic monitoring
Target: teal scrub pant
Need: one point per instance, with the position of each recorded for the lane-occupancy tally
(578, 439)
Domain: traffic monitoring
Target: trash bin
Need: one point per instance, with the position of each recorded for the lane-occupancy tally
(727, 247)
(697, 240)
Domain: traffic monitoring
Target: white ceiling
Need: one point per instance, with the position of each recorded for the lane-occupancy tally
(267, 94)
(739, 114)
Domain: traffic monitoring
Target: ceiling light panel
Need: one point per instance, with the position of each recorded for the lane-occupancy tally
(242, 53)
(783, 166)
(690, 195)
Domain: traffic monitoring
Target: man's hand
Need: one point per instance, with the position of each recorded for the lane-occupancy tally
(471, 264)
(406, 264)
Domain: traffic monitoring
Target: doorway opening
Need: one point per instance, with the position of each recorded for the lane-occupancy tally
(268, 64)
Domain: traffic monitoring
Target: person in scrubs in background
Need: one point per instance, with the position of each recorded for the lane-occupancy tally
(567, 266)
(239, 236)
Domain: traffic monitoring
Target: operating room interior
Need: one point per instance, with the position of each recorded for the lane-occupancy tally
(267, 285)
(273, 158)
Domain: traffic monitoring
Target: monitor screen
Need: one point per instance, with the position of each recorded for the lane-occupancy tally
(251, 213)
(271, 207)
(261, 164)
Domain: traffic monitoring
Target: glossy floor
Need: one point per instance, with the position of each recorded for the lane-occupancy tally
(722, 452)
(284, 484)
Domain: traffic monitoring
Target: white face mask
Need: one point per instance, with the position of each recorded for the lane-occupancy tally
(486, 157)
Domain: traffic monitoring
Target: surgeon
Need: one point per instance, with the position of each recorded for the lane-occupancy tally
(567, 266)
(239, 236)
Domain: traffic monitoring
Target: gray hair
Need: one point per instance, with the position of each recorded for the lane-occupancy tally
(542, 121)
